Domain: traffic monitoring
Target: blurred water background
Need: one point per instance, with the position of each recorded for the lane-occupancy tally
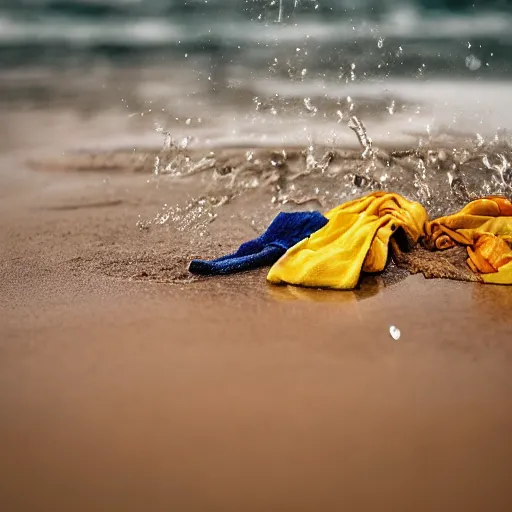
(435, 35)
(254, 70)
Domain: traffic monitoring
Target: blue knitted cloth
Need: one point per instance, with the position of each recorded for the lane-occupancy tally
(284, 232)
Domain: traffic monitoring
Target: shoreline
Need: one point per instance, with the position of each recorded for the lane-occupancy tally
(125, 394)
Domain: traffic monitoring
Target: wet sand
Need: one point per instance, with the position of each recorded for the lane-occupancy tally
(149, 398)
(124, 385)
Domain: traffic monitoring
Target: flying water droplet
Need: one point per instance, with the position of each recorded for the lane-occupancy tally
(167, 141)
(473, 63)
(352, 72)
(184, 143)
(309, 106)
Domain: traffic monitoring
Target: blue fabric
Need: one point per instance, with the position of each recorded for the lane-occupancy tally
(284, 232)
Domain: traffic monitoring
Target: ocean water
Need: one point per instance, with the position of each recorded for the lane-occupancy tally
(392, 38)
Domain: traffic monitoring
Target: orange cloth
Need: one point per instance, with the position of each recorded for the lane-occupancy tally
(485, 227)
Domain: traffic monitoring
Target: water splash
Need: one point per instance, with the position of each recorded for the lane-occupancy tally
(358, 128)
(442, 175)
(309, 106)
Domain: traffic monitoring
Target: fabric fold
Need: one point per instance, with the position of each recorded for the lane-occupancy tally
(484, 226)
(356, 239)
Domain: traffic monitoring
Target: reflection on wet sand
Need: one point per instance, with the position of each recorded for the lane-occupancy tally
(369, 286)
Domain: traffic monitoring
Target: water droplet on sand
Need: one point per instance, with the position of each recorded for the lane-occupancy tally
(394, 332)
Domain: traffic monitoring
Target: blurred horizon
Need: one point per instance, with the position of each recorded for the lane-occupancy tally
(392, 38)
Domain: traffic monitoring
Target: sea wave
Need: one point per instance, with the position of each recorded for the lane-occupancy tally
(329, 34)
(149, 30)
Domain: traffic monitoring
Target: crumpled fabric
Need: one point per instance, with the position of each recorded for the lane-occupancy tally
(284, 232)
(484, 226)
(355, 239)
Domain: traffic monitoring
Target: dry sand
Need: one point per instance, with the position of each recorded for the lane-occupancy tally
(127, 385)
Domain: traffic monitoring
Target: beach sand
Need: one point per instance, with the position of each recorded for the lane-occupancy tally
(125, 384)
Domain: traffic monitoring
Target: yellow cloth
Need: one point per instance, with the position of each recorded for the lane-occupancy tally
(355, 238)
(485, 227)
(357, 235)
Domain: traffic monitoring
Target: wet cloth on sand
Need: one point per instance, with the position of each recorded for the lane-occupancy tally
(484, 226)
(355, 239)
(284, 232)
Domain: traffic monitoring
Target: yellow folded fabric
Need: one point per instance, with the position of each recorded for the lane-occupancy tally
(485, 227)
(356, 238)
